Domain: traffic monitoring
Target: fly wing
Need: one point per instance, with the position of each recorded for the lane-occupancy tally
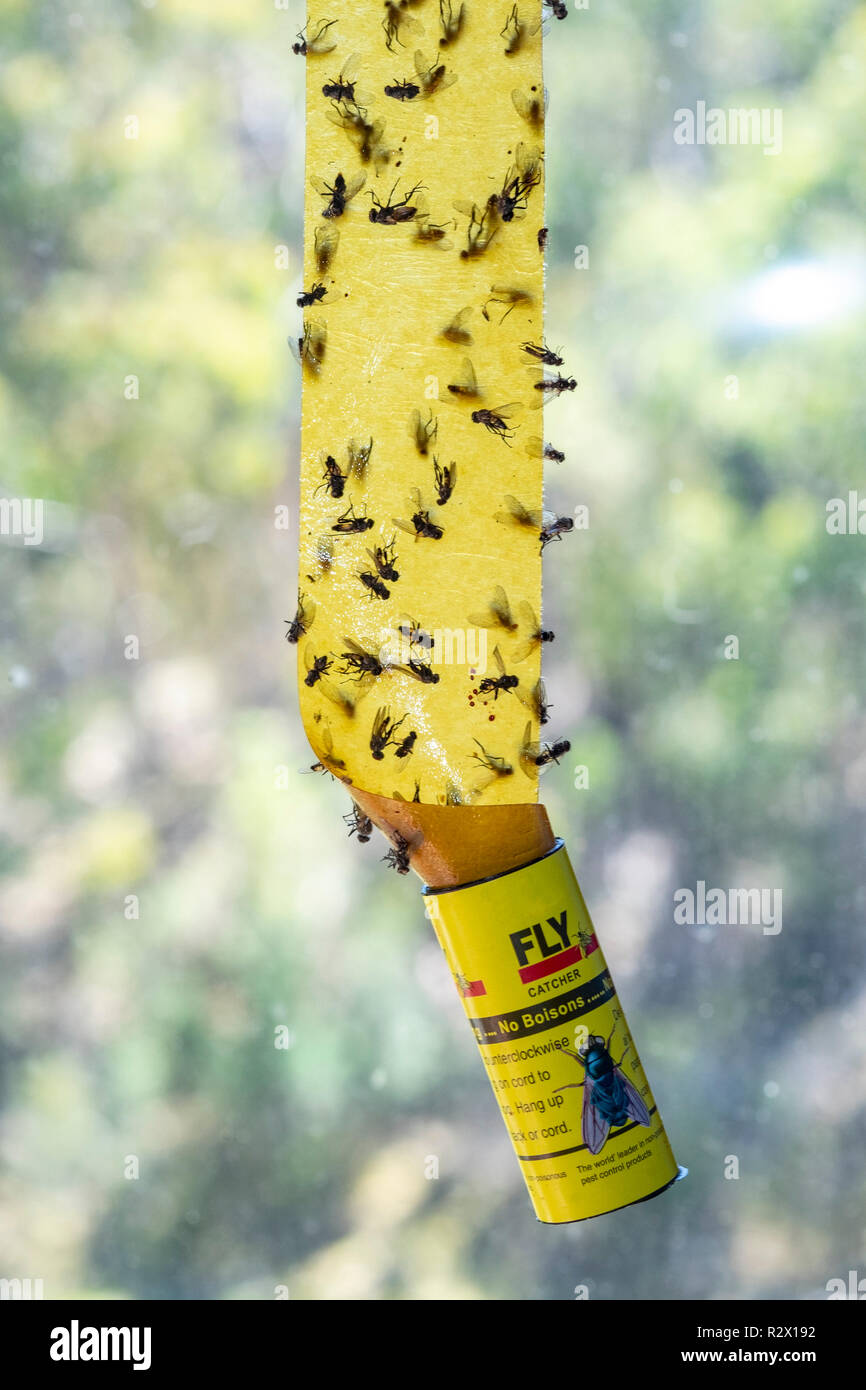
(595, 1127)
(635, 1105)
(355, 185)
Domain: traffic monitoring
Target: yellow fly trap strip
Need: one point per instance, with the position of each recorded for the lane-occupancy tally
(421, 525)
(419, 610)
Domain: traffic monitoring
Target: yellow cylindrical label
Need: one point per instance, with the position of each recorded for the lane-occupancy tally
(554, 1040)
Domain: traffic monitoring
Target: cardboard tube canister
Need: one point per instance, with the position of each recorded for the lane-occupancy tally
(554, 1040)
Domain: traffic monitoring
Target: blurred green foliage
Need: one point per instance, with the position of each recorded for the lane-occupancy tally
(175, 891)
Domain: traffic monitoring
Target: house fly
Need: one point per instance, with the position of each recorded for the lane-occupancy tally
(555, 385)
(314, 295)
(342, 88)
(531, 107)
(543, 234)
(429, 232)
(348, 524)
(500, 767)
(519, 181)
(497, 614)
(368, 137)
(533, 635)
(303, 619)
(383, 731)
(332, 479)
(536, 702)
(542, 353)
(534, 755)
(451, 19)
(537, 449)
(374, 586)
(496, 421)
(466, 385)
(311, 346)
(503, 682)
(445, 480)
(338, 194)
(317, 666)
(412, 633)
(328, 759)
(610, 1100)
(423, 432)
(555, 529)
(405, 747)
(519, 515)
(516, 31)
(558, 8)
(403, 90)
(432, 77)
(359, 824)
(383, 558)
(398, 855)
(318, 42)
(325, 243)
(358, 662)
(390, 214)
(420, 526)
(324, 558)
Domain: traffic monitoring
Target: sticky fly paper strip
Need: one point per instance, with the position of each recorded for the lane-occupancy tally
(421, 477)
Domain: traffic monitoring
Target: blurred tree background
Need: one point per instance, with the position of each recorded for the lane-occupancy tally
(175, 890)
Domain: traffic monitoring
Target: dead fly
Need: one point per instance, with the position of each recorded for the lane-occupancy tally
(495, 767)
(368, 137)
(403, 91)
(338, 194)
(423, 432)
(410, 631)
(555, 385)
(536, 701)
(542, 353)
(359, 663)
(359, 457)
(325, 243)
(445, 480)
(383, 731)
(332, 479)
(450, 22)
(534, 633)
(383, 558)
(324, 557)
(398, 855)
(342, 88)
(390, 214)
(404, 749)
(497, 614)
(518, 515)
(346, 703)
(534, 755)
(537, 449)
(328, 759)
(432, 77)
(359, 824)
(555, 529)
(423, 672)
(374, 586)
(517, 31)
(496, 421)
(420, 526)
(312, 296)
(311, 346)
(303, 619)
(397, 22)
(503, 682)
(348, 524)
(557, 8)
(521, 178)
(317, 666)
(531, 107)
(511, 295)
(429, 232)
(483, 225)
(456, 331)
(318, 42)
(543, 234)
(466, 385)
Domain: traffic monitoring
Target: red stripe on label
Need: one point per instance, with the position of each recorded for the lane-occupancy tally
(551, 965)
(474, 989)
